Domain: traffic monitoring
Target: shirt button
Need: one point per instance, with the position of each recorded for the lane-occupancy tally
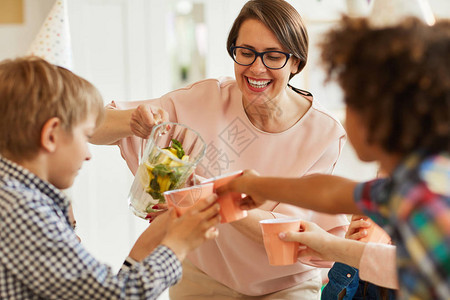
(349, 275)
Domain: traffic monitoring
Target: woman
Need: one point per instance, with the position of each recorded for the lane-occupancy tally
(255, 121)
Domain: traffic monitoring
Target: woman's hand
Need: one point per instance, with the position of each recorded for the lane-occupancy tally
(144, 117)
(357, 228)
(242, 185)
(158, 209)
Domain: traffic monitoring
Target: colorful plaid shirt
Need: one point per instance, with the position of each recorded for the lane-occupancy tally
(413, 206)
(41, 258)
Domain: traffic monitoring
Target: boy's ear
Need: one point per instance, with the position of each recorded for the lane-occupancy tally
(49, 134)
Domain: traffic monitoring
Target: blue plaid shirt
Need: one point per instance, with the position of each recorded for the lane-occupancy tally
(41, 258)
(413, 206)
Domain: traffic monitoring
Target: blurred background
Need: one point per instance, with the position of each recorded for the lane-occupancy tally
(141, 49)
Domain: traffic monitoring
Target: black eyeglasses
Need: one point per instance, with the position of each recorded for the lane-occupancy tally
(271, 59)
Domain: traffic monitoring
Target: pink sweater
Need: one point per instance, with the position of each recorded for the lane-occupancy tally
(214, 108)
(378, 265)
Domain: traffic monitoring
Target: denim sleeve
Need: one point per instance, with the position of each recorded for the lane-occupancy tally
(343, 280)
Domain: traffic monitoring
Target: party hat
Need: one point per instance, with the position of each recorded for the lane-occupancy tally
(387, 13)
(53, 40)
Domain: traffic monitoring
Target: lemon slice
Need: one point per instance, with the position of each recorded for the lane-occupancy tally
(143, 175)
(168, 157)
(148, 166)
(164, 183)
(174, 164)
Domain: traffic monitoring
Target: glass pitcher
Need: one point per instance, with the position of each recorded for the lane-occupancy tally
(170, 156)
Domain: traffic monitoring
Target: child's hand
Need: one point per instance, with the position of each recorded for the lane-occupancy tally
(314, 241)
(159, 224)
(357, 228)
(193, 227)
(242, 185)
(144, 117)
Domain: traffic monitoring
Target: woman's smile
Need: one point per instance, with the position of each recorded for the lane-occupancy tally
(258, 85)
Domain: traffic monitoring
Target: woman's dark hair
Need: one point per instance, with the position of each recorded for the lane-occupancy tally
(282, 19)
(397, 79)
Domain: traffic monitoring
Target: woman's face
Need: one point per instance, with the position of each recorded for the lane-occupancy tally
(258, 83)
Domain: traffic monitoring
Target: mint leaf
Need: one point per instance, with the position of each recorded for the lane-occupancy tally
(177, 146)
(161, 170)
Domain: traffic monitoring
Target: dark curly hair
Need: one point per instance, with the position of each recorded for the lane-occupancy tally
(397, 78)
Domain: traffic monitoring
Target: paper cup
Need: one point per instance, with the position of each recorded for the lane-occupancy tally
(183, 199)
(229, 205)
(280, 253)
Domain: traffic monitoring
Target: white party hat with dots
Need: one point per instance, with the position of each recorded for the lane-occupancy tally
(387, 13)
(53, 40)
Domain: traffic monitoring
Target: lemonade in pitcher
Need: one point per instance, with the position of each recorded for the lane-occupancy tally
(170, 157)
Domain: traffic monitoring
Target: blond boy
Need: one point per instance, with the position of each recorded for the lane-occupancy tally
(47, 115)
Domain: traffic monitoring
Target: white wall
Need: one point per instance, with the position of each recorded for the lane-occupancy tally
(15, 38)
(119, 45)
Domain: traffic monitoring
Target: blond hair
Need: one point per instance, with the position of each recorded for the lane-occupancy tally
(32, 91)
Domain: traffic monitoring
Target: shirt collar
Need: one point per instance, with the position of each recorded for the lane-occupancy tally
(13, 173)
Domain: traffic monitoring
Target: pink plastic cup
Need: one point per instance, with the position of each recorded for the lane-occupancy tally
(376, 234)
(229, 203)
(279, 252)
(182, 199)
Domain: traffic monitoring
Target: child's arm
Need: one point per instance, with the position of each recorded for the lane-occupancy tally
(314, 241)
(375, 261)
(179, 234)
(323, 193)
(150, 238)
